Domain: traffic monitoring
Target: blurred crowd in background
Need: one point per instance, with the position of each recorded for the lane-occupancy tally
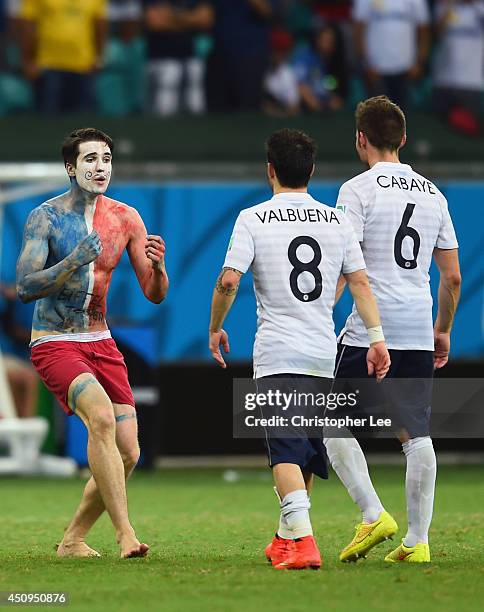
(282, 57)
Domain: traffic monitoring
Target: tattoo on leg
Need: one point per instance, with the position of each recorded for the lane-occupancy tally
(126, 416)
(224, 290)
(79, 388)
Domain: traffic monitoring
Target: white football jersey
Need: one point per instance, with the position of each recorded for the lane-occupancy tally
(399, 217)
(296, 249)
(391, 32)
(459, 58)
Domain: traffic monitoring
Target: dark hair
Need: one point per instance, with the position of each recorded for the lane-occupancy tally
(382, 122)
(292, 153)
(70, 146)
(336, 63)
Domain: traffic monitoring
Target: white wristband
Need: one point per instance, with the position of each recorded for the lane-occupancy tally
(375, 334)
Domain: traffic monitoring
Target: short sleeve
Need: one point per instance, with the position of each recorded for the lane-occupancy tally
(30, 9)
(240, 253)
(446, 238)
(361, 10)
(422, 13)
(350, 203)
(353, 259)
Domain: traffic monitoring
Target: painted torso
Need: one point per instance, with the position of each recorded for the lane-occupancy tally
(80, 305)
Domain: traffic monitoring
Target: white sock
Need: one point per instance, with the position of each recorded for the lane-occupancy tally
(295, 510)
(283, 530)
(348, 461)
(419, 488)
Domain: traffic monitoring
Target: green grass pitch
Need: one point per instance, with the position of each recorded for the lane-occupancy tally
(208, 535)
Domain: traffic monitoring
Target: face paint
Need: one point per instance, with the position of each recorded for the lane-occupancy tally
(93, 168)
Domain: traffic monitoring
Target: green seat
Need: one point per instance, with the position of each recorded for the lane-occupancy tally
(120, 86)
(15, 94)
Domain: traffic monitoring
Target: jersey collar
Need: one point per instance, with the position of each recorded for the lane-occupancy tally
(397, 167)
(292, 196)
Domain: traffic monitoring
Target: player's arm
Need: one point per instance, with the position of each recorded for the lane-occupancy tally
(378, 358)
(354, 272)
(33, 281)
(147, 256)
(239, 257)
(224, 296)
(447, 261)
(350, 202)
(340, 287)
(365, 302)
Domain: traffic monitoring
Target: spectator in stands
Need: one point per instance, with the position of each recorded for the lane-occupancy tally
(120, 87)
(459, 61)
(281, 89)
(15, 326)
(392, 42)
(63, 45)
(321, 71)
(175, 73)
(240, 54)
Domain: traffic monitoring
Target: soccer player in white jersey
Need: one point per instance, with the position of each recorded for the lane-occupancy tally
(401, 220)
(296, 249)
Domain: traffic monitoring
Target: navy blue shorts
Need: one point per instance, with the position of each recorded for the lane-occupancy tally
(407, 402)
(308, 453)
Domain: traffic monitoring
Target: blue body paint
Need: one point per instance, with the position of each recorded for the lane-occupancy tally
(64, 310)
(125, 417)
(79, 388)
(71, 301)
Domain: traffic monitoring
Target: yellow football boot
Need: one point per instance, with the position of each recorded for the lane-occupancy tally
(420, 553)
(368, 536)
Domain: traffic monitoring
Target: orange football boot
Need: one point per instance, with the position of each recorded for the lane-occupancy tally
(304, 555)
(278, 550)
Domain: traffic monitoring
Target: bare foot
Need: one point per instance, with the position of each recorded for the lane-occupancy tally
(75, 549)
(134, 550)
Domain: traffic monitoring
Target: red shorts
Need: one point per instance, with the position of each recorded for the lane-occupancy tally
(59, 363)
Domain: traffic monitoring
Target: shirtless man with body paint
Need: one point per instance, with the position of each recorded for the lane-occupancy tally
(71, 246)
